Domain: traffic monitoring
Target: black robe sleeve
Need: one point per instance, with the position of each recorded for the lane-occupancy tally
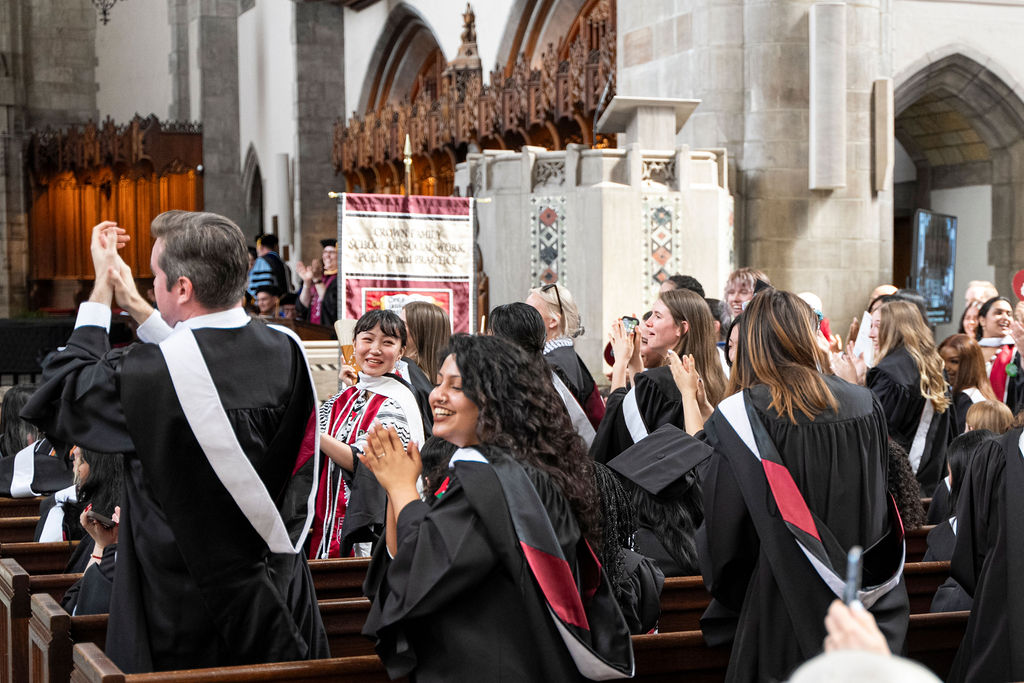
(79, 400)
(91, 593)
(639, 594)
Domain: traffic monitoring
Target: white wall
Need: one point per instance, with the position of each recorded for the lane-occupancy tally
(972, 205)
(924, 30)
(904, 167)
(266, 94)
(132, 61)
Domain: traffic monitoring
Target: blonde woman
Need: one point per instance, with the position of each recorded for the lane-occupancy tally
(907, 380)
(557, 308)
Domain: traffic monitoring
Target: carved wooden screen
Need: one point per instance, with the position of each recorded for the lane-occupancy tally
(128, 174)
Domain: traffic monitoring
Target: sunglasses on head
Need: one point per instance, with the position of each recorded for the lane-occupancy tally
(558, 297)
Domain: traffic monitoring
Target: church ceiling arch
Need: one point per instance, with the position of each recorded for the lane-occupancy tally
(406, 46)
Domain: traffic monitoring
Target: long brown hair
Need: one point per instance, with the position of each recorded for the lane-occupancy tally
(778, 347)
(900, 325)
(700, 339)
(971, 373)
(429, 330)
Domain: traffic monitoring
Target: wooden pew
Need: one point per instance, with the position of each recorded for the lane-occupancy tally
(339, 578)
(52, 634)
(917, 543)
(91, 665)
(661, 657)
(20, 507)
(333, 579)
(933, 639)
(18, 529)
(923, 579)
(40, 558)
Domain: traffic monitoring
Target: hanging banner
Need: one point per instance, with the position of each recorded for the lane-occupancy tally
(394, 249)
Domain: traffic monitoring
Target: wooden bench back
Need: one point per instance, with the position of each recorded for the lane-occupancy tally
(932, 640)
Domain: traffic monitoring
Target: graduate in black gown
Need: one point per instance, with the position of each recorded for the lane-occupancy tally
(661, 473)
(521, 324)
(988, 561)
(680, 321)
(210, 419)
(562, 324)
(797, 479)
(907, 380)
(495, 577)
(950, 596)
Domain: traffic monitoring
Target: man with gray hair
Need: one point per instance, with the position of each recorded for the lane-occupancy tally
(210, 410)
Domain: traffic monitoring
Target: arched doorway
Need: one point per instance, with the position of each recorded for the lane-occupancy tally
(962, 127)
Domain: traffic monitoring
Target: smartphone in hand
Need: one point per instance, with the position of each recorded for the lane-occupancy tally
(629, 323)
(102, 520)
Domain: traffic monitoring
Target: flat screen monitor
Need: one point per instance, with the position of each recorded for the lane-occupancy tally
(933, 258)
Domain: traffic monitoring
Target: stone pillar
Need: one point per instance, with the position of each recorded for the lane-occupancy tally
(47, 79)
(213, 100)
(319, 100)
(177, 14)
(836, 243)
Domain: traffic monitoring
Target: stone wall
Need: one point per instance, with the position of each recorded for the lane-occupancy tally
(749, 61)
(47, 63)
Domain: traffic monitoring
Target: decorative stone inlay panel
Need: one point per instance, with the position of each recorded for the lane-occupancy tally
(547, 240)
(663, 247)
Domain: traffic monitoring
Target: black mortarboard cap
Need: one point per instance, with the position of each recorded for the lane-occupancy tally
(659, 462)
(329, 242)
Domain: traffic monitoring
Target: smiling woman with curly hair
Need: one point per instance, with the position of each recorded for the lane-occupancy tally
(499, 562)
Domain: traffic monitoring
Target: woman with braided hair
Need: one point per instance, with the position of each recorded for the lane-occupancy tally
(496, 577)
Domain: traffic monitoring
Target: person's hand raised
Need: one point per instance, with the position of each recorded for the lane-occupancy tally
(853, 628)
(684, 372)
(395, 466)
(622, 342)
(304, 272)
(107, 237)
(1017, 332)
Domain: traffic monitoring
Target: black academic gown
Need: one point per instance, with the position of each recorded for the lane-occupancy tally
(576, 376)
(194, 585)
(639, 592)
(448, 608)
(988, 561)
(754, 566)
(938, 509)
(648, 543)
(658, 401)
(421, 388)
(896, 383)
(950, 596)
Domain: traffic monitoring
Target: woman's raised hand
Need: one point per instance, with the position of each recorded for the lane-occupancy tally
(395, 466)
(684, 372)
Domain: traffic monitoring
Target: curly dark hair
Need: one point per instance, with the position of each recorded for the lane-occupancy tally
(673, 520)
(903, 486)
(619, 525)
(520, 411)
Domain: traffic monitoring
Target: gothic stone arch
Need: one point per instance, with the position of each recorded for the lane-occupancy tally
(990, 103)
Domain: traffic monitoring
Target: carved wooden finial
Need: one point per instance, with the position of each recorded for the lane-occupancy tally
(468, 25)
